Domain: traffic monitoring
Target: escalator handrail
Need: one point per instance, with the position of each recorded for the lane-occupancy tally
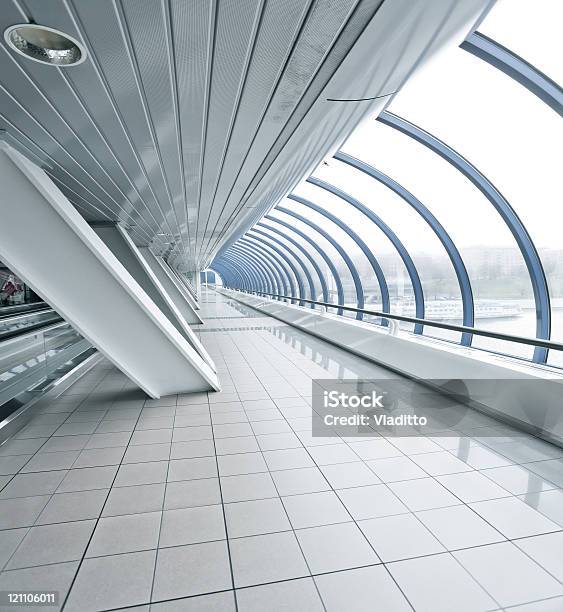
(30, 329)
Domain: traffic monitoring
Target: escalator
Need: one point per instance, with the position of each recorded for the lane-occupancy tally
(37, 348)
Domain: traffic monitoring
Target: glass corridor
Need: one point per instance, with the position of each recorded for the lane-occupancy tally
(434, 214)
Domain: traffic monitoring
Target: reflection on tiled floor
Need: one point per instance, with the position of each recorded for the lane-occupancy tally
(225, 501)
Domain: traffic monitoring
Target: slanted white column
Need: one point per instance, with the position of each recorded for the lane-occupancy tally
(170, 303)
(52, 248)
(188, 288)
(171, 285)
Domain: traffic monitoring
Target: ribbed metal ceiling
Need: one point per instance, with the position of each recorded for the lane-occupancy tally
(176, 123)
(176, 100)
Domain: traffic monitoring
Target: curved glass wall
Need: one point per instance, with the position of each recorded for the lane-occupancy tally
(447, 207)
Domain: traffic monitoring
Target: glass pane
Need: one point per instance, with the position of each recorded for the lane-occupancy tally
(293, 253)
(531, 30)
(516, 141)
(324, 244)
(484, 241)
(329, 279)
(437, 275)
(287, 253)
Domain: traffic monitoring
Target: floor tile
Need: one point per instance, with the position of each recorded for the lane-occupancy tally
(459, 527)
(147, 452)
(9, 541)
(301, 480)
(278, 441)
(346, 475)
(142, 473)
(12, 464)
(414, 445)
(518, 480)
(360, 588)
(332, 453)
(335, 547)
(400, 537)
(56, 577)
(134, 499)
(108, 440)
(315, 509)
(188, 469)
(513, 518)
(21, 447)
(440, 463)
(232, 430)
(99, 457)
(270, 427)
(26, 485)
(78, 506)
(267, 558)
(472, 487)
(549, 503)
(288, 459)
(508, 574)
(215, 602)
(112, 582)
(247, 487)
(233, 446)
(85, 479)
(546, 551)
(423, 494)
(192, 493)
(195, 448)
(481, 458)
(298, 595)
(187, 434)
(374, 449)
(192, 525)
(52, 544)
(151, 436)
(123, 534)
(371, 502)
(439, 583)
(246, 463)
(247, 518)
(393, 469)
(207, 566)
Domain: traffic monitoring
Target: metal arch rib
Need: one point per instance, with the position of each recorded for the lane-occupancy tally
(505, 210)
(394, 239)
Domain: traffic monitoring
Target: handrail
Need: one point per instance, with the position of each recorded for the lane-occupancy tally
(30, 329)
(460, 328)
(21, 309)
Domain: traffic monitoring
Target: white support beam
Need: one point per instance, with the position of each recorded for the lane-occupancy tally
(170, 304)
(46, 242)
(187, 283)
(171, 285)
(187, 287)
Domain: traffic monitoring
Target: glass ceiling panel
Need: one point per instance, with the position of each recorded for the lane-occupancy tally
(436, 272)
(347, 244)
(517, 142)
(331, 252)
(298, 253)
(485, 243)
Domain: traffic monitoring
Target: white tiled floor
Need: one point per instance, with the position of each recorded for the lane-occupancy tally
(225, 501)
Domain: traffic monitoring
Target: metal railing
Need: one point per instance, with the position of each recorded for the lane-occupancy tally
(393, 317)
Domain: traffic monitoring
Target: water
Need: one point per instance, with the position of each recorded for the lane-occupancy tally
(524, 325)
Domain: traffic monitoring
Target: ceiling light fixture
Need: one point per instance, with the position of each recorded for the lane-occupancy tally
(45, 45)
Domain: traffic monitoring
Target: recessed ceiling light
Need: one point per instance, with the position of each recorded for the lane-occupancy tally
(45, 45)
